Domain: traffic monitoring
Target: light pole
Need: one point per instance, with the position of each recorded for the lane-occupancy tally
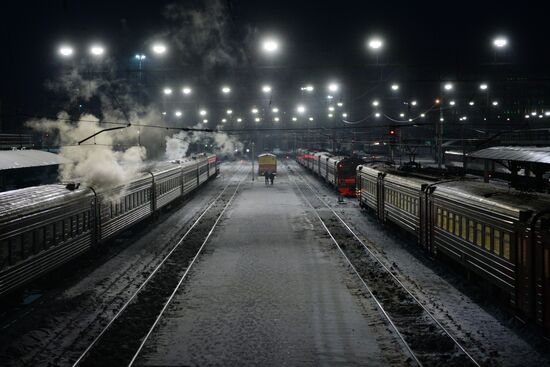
(376, 44)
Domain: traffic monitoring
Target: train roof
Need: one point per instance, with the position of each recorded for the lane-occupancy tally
(497, 197)
(18, 203)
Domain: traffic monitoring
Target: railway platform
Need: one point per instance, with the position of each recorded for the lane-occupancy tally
(265, 291)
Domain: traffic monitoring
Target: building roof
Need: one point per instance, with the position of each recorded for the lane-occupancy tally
(14, 159)
(515, 153)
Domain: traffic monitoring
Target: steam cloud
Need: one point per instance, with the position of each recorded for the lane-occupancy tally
(203, 35)
(178, 145)
(97, 165)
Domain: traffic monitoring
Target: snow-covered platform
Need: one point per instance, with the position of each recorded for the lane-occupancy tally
(268, 291)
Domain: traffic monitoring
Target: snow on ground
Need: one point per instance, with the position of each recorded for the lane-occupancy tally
(490, 331)
(269, 293)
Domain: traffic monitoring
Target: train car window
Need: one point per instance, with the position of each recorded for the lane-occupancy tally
(74, 226)
(16, 250)
(439, 217)
(444, 225)
(479, 234)
(471, 230)
(67, 228)
(457, 225)
(463, 228)
(39, 239)
(506, 246)
(496, 241)
(48, 234)
(451, 223)
(58, 233)
(487, 238)
(27, 245)
(4, 254)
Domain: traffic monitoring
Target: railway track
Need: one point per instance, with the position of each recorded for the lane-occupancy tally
(125, 334)
(426, 340)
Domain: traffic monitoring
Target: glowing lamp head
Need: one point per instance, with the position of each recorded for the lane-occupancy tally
(66, 51)
(159, 48)
(375, 43)
(186, 90)
(97, 50)
(270, 45)
(167, 91)
(500, 42)
(202, 112)
(301, 109)
(226, 90)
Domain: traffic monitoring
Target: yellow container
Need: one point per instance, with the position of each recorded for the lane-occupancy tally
(267, 162)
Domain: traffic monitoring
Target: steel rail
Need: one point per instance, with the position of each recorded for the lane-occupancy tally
(417, 301)
(146, 281)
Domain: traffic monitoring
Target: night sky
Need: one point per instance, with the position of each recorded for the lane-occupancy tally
(319, 38)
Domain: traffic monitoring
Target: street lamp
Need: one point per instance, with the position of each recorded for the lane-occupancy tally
(97, 50)
(167, 91)
(500, 42)
(301, 109)
(66, 51)
(178, 113)
(270, 45)
(375, 103)
(229, 112)
(395, 87)
(186, 90)
(448, 86)
(226, 89)
(266, 89)
(275, 110)
(308, 88)
(159, 48)
(202, 112)
(254, 111)
(483, 86)
(333, 87)
(375, 43)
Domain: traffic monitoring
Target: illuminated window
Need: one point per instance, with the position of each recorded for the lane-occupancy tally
(457, 225)
(479, 234)
(487, 238)
(506, 245)
(439, 217)
(451, 223)
(444, 219)
(496, 241)
(471, 230)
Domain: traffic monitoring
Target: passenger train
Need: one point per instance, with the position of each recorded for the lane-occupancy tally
(45, 226)
(338, 171)
(501, 234)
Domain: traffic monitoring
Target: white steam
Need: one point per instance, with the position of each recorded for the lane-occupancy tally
(177, 145)
(99, 163)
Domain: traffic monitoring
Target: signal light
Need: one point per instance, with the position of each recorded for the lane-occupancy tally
(392, 132)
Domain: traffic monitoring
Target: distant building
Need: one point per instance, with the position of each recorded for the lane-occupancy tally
(28, 167)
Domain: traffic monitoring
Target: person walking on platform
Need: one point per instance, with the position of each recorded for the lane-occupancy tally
(266, 175)
(271, 177)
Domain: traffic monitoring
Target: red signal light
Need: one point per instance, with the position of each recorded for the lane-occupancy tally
(392, 132)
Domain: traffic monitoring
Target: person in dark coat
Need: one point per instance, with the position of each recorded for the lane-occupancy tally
(271, 177)
(266, 175)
